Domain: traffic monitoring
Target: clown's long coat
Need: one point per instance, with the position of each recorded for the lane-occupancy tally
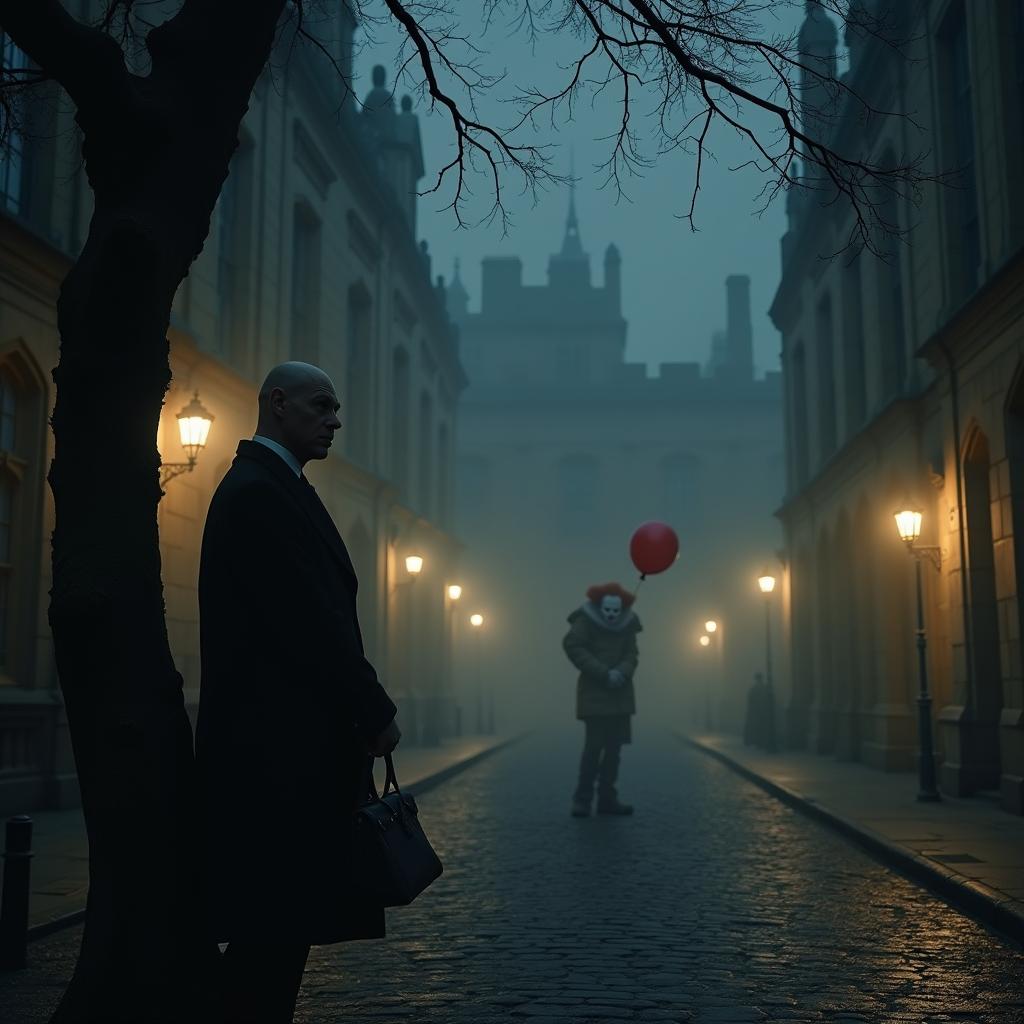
(595, 647)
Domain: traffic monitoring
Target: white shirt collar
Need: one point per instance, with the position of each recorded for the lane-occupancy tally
(290, 460)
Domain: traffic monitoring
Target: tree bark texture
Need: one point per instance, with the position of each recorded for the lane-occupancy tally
(156, 150)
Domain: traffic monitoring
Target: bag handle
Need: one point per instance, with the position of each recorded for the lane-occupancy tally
(390, 779)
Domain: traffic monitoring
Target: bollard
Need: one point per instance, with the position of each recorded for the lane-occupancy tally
(14, 896)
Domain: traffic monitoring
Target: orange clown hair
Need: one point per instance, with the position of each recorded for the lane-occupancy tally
(599, 590)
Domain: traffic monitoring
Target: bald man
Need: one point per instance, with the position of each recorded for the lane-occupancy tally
(290, 714)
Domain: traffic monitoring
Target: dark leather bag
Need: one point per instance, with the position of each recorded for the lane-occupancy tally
(394, 858)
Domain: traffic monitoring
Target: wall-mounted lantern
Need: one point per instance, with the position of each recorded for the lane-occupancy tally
(194, 422)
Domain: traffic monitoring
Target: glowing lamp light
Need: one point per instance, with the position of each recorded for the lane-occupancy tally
(476, 620)
(705, 640)
(766, 583)
(414, 565)
(194, 422)
(711, 626)
(908, 523)
(454, 591)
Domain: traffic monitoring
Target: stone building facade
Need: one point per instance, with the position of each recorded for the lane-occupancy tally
(903, 383)
(311, 255)
(565, 448)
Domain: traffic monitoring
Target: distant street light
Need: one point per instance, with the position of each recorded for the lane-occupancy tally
(710, 626)
(908, 525)
(476, 620)
(414, 565)
(766, 584)
(194, 422)
(454, 591)
(705, 640)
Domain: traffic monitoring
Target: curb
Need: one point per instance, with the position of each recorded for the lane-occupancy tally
(428, 782)
(979, 901)
(448, 772)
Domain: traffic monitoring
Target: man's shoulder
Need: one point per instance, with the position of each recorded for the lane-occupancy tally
(247, 481)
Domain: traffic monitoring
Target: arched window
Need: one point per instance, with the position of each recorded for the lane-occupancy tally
(22, 446)
(8, 423)
(12, 153)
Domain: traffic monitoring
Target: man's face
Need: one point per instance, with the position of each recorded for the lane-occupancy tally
(308, 415)
(611, 608)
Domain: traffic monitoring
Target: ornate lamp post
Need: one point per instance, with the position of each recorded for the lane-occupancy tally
(766, 584)
(908, 525)
(194, 422)
(454, 593)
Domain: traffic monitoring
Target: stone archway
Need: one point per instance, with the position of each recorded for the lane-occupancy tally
(846, 643)
(802, 643)
(822, 719)
(1011, 600)
(979, 753)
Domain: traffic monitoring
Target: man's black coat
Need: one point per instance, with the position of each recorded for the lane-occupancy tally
(287, 702)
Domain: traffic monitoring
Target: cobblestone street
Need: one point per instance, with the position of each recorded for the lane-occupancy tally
(714, 903)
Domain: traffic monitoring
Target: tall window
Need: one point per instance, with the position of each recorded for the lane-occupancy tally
(966, 244)
(400, 421)
(826, 380)
(443, 461)
(305, 285)
(358, 375)
(8, 415)
(799, 423)
(234, 208)
(12, 153)
(855, 400)
(426, 437)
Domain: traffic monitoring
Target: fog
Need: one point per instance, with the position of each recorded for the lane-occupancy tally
(703, 454)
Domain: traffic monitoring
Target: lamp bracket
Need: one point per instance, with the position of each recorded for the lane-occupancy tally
(932, 552)
(169, 470)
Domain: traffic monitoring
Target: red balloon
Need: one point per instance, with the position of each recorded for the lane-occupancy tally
(653, 547)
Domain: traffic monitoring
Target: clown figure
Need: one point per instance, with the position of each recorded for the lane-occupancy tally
(601, 643)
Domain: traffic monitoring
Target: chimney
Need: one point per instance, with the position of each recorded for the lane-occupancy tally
(739, 336)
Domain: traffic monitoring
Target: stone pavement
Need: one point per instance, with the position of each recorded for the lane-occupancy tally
(715, 904)
(968, 850)
(60, 867)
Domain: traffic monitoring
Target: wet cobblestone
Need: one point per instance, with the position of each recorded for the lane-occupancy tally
(714, 904)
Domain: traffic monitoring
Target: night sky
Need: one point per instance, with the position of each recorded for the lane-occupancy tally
(661, 255)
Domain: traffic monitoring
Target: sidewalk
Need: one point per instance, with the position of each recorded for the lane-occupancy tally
(968, 851)
(60, 867)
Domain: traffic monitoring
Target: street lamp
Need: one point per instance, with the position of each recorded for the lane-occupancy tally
(454, 592)
(766, 584)
(908, 525)
(705, 640)
(414, 565)
(711, 626)
(476, 620)
(194, 422)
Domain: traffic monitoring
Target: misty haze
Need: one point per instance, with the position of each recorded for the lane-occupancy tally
(508, 512)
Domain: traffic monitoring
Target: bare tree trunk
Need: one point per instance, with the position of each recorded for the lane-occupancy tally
(157, 151)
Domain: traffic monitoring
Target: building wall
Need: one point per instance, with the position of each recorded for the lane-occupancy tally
(559, 463)
(347, 294)
(937, 326)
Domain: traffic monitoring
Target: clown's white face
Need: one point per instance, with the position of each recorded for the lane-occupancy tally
(611, 608)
